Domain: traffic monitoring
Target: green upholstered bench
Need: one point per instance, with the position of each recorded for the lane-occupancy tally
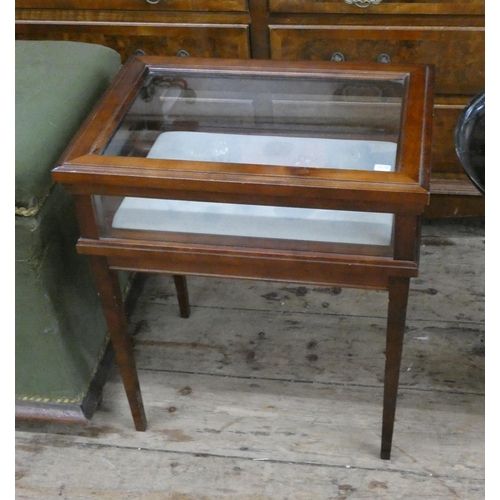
(61, 335)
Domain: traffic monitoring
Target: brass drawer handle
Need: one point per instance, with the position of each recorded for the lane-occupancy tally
(384, 58)
(183, 53)
(337, 57)
(363, 3)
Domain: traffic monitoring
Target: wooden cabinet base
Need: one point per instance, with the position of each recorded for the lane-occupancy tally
(454, 198)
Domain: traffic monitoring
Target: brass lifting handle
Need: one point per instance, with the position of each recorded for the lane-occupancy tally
(363, 3)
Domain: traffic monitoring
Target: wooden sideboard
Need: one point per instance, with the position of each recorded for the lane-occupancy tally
(446, 33)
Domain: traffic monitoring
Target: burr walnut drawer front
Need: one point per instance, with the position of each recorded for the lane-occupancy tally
(144, 5)
(446, 7)
(196, 40)
(456, 52)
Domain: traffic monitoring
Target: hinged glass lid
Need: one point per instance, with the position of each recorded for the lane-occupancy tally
(294, 121)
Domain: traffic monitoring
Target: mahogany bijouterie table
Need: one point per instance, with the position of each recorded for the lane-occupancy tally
(302, 172)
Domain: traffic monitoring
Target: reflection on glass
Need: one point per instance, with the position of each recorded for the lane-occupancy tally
(262, 119)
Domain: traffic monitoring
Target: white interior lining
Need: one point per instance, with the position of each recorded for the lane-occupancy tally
(332, 226)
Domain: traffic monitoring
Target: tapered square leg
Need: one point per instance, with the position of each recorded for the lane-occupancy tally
(110, 293)
(396, 320)
(182, 295)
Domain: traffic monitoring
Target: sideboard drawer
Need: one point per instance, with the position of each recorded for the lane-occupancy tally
(146, 5)
(461, 7)
(226, 41)
(456, 52)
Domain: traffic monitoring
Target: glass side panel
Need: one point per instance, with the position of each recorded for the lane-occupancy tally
(366, 233)
(321, 122)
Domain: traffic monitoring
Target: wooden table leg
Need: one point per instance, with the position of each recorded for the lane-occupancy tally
(396, 319)
(182, 295)
(110, 293)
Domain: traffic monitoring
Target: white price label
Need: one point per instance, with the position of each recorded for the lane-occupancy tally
(382, 168)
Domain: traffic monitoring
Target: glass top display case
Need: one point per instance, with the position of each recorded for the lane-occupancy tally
(301, 172)
(298, 124)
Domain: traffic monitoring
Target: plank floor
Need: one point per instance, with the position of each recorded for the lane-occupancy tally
(273, 391)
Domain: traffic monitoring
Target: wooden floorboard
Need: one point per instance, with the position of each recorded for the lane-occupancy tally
(273, 391)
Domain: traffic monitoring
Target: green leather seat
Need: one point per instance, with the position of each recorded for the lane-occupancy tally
(61, 334)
